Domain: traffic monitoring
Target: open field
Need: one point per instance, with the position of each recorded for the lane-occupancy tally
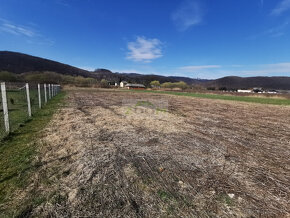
(114, 154)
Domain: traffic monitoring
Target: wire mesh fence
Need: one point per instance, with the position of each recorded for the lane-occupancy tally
(19, 101)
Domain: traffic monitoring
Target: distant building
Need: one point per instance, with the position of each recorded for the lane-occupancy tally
(244, 91)
(272, 92)
(258, 90)
(123, 84)
(135, 86)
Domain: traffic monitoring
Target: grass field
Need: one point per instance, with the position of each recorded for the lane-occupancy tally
(119, 154)
(260, 100)
(17, 155)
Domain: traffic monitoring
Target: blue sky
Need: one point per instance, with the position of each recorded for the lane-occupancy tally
(194, 38)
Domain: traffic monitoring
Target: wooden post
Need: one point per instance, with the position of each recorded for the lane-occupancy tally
(5, 107)
(28, 99)
(52, 89)
(39, 96)
(45, 94)
(49, 91)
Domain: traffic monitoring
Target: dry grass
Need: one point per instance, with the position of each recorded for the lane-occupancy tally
(201, 158)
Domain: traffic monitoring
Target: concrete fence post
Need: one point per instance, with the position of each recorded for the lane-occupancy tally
(49, 91)
(5, 107)
(28, 99)
(45, 93)
(39, 96)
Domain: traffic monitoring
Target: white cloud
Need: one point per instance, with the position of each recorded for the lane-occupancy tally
(188, 14)
(8, 27)
(144, 50)
(200, 67)
(283, 6)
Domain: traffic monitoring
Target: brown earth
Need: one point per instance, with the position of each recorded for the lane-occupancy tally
(199, 158)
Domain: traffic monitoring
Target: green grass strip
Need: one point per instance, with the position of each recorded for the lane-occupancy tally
(260, 100)
(18, 150)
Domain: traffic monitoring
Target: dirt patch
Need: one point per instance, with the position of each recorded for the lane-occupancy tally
(198, 158)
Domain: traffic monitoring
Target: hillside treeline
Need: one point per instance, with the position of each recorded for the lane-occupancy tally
(48, 77)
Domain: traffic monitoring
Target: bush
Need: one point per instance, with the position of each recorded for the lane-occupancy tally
(155, 84)
(181, 85)
(104, 83)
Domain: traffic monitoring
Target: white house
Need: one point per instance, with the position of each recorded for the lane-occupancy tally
(123, 84)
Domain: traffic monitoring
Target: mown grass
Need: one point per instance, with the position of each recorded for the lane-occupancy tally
(17, 152)
(260, 100)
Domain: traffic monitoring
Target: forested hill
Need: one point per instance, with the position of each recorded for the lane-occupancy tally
(21, 63)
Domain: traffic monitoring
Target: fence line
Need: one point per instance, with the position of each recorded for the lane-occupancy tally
(45, 94)
(5, 107)
(28, 99)
(20, 102)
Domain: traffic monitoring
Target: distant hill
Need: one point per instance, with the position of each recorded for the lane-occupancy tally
(235, 82)
(21, 63)
(18, 63)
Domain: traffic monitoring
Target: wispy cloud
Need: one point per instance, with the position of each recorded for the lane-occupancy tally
(217, 71)
(276, 31)
(269, 69)
(8, 27)
(283, 6)
(28, 33)
(62, 3)
(200, 67)
(144, 50)
(188, 14)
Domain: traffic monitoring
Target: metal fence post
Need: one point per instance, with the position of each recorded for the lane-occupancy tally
(52, 89)
(28, 99)
(49, 91)
(5, 107)
(39, 95)
(45, 94)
